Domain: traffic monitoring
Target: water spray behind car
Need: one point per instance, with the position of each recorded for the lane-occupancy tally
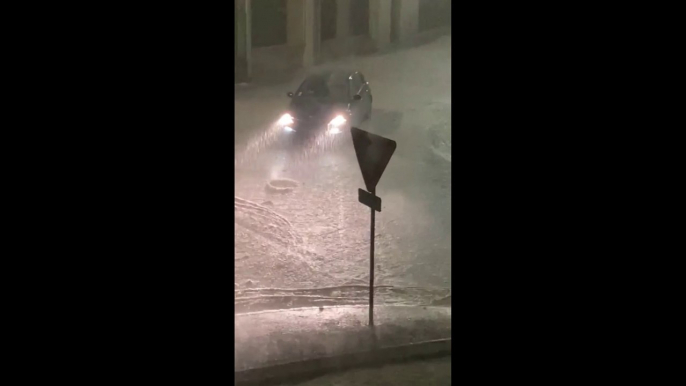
(281, 132)
(258, 143)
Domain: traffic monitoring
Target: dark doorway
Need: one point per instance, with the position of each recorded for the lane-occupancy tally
(433, 14)
(395, 20)
(359, 17)
(268, 23)
(328, 19)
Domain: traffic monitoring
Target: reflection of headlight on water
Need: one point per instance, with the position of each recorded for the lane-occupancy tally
(286, 119)
(289, 129)
(334, 130)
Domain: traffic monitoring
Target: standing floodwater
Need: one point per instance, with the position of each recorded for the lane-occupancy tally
(298, 220)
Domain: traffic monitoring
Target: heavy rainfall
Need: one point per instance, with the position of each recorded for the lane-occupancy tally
(301, 236)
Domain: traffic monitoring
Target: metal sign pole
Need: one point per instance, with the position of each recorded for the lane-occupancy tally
(371, 269)
(373, 153)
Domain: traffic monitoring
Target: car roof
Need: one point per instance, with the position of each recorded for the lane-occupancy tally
(332, 74)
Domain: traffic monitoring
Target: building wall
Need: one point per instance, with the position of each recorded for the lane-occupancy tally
(242, 45)
(405, 23)
(268, 23)
(296, 34)
(433, 14)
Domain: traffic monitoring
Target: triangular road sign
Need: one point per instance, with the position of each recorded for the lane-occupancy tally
(373, 153)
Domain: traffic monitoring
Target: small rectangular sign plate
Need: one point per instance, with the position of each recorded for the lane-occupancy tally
(369, 199)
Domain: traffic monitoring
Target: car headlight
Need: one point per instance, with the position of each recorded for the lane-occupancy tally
(338, 121)
(286, 119)
(335, 124)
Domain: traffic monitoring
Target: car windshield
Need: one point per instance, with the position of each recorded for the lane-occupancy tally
(308, 197)
(331, 86)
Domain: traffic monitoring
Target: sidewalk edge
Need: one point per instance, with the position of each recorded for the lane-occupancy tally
(288, 372)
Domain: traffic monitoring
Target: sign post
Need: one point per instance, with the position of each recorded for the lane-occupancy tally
(373, 153)
(371, 267)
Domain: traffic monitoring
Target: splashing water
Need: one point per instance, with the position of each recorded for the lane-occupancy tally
(257, 144)
(323, 141)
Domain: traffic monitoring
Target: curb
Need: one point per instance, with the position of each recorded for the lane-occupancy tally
(293, 371)
(279, 345)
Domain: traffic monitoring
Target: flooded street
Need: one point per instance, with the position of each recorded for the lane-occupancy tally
(298, 220)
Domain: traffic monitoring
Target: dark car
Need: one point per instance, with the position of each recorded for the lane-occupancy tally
(331, 100)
